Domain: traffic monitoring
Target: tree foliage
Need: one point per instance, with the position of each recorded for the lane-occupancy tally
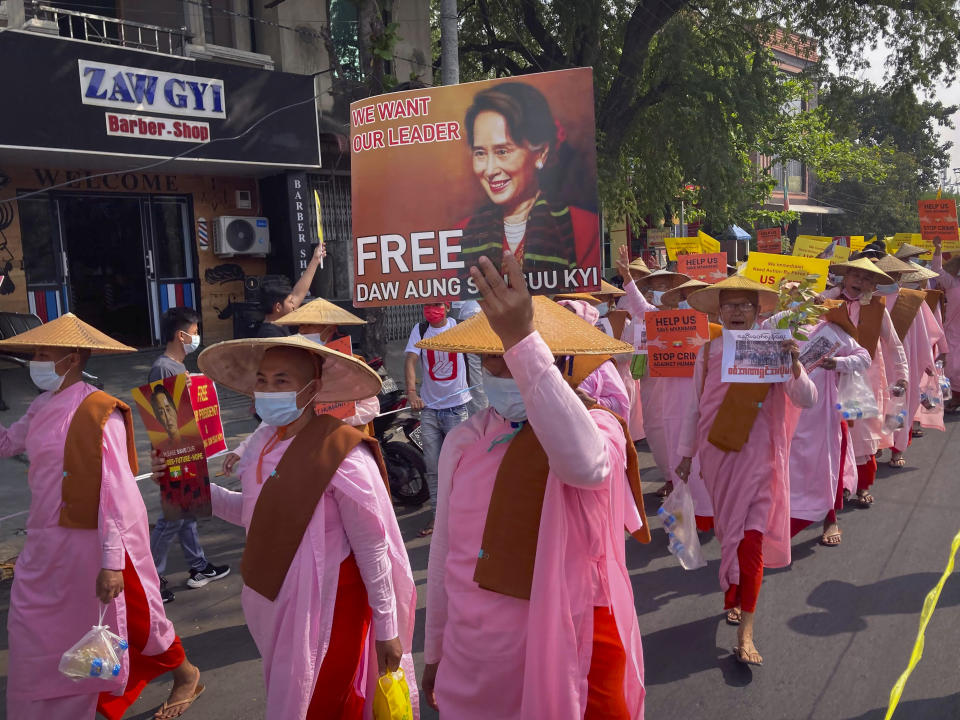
(689, 93)
(904, 126)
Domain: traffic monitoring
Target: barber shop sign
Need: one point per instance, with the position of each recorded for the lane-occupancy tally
(137, 89)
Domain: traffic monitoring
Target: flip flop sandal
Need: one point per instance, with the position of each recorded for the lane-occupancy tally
(665, 490)
(838, 535)
(742, 658)
(427, 531)
(188, 702)
(864, 501)
(733, 616)
(897, 463)
(918, 433)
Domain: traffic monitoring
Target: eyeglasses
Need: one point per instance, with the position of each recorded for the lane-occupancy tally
(734, 307)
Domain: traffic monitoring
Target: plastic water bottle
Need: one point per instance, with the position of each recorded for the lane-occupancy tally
(893, 422)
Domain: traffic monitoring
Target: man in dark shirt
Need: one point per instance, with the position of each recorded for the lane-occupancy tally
(278, 298)
(180, 331)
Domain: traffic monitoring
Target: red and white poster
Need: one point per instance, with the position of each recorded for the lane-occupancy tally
(340, 410)
(708, 267)
(442, 176)
(182, 417)
(673, 339)
(769, 241)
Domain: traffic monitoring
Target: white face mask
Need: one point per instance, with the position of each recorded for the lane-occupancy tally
(44, 375)
(314, 337)
(504, 397)
(278, 408)
(192, 345)
(683, 305)
(888, 289)
(658, 297)
(603, 309)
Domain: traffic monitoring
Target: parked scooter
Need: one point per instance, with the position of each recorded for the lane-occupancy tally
(398, 430)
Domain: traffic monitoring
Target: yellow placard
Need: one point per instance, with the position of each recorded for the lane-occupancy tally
(618, 238)
(812, 246)
(768, 268)
(684, 245)
(707, 243)
(858, 243)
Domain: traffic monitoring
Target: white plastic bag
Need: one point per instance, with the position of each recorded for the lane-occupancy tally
(679, 522)
(855, 399)
(98, 655)
(931, 394)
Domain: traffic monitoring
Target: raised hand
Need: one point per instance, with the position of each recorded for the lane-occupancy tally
(508, 307)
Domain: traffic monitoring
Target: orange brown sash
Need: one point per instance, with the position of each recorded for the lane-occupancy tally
(905, 310)
(83, 459)
(289, 499)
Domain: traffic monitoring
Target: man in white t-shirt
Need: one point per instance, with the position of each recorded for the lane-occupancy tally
(462, 310)
(444, 392)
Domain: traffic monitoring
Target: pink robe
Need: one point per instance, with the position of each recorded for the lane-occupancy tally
(480, 638)
(292, 633)
(919, 344)
(665, 403)
(53, 601)
(951, 321)
(635, 421)
(749, 488)
(815, 460)
(888, 365)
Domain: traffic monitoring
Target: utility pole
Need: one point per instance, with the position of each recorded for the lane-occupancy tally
(449, 43)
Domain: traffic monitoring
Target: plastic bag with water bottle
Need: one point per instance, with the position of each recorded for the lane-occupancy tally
(855, 398)
(895, 409)
(97, 655)
(676, 514)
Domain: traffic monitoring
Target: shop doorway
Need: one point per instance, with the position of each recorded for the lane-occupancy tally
(104, 242)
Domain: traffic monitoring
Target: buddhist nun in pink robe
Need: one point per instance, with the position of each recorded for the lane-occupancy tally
(530, 609)
(328, 593)
(88, 541)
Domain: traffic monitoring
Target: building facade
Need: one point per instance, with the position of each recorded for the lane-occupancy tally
(166, 152)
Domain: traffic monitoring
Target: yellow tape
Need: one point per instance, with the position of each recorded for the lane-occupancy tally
(929, 605)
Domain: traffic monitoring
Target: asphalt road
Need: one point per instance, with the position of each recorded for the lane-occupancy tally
(835, 629)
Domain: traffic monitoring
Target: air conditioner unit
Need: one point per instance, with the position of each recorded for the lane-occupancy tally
(234, 235)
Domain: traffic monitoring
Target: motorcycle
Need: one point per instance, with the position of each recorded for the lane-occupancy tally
(398, 430)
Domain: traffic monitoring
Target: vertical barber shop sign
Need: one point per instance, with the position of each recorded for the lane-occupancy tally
(298, 195)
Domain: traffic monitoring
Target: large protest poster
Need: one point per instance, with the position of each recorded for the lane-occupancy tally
(171, 418)
(442, 176)
(769, 240)
(813, 246)
(673, 339)
(710, 267)
(340, 410)
(938, 219)
(755, 356)
(682, 246)
(767, 269)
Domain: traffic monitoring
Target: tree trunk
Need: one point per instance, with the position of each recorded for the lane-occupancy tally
(449, 51)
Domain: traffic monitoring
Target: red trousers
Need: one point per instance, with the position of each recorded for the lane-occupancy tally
(750, 557)
(143, 668)
(704, 522)
(867, 473)
(608, 666)
(335, 695)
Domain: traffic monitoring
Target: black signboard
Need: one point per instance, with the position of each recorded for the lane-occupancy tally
(78, 96)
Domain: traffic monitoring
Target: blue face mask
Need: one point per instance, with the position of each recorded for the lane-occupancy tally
(603, 309)
(504, 397)
(888, 289)
(683, 305)
(658, 297)
(278, 408)
(44, 375)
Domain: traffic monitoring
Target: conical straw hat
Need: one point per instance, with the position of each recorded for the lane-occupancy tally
(708, 299)
(864, 264)
(674, 277)
(583, 297)
(610, 289)
(67, 331)
(562, 330)
(320, 312)
(638, 265)
(890, 264)
(907, 251)
(673, 296)
(919, 274)
(235, 363)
